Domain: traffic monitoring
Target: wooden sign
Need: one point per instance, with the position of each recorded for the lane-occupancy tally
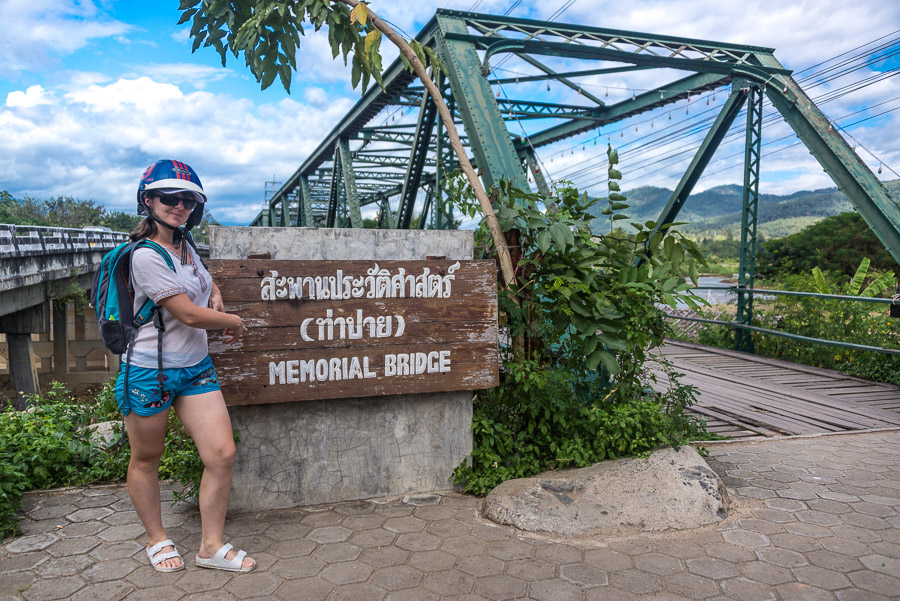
(336, 329)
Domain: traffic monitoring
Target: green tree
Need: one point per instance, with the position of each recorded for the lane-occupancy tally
(120, 221)
(268, 32)
(838, 244)
(65, 211)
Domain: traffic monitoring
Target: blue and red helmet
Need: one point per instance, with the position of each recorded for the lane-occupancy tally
(170, 177)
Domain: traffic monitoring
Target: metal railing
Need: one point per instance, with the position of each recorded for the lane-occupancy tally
(31, 240)
(761, 291)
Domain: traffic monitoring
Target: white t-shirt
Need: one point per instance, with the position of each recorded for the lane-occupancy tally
(183, 346)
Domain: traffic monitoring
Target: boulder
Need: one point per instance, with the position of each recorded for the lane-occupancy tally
(106, 433)
(669, 490)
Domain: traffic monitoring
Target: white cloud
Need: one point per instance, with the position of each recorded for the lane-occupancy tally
(33, 96)
(94, 143)
(36, 30)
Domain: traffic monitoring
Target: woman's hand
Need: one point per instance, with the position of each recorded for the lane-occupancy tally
(233, 333)
(215, 299)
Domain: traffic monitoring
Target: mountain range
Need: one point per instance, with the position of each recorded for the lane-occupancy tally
(718, 210)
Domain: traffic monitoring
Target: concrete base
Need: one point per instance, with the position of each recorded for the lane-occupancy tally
(313, 452)
(308, 452)
(670, 490)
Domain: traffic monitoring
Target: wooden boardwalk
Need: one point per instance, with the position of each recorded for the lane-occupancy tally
(743, 395)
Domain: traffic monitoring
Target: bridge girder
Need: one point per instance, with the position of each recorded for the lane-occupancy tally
(467, 42)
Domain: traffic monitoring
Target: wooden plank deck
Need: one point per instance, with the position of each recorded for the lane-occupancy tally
(743, 395)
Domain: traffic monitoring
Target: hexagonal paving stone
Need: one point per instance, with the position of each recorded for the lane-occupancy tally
(781, 557)
(397, 577)
(358, 592)
(305, 589)
(608, 560)
(818, 517)
(102, 571)
(729, 552)
(530, 569)
(363, 522)
(64, 566)
(480, 565)
(337, 552)
(122, 533)
(21, 562)
(288, 532)
(464, 546)
(35, 542)
(432, 561)
(680, 549)
(797, 591)
(384, 556)
(555, 590)
(691, 586)
(346, 572)
(447, 528)
(636, 581)
(765, 572)
(745, 538)
(292, 548)
(500, 588)
(657, 563)
(433, 513)
(510, 549)
(377, 537)
(747, 590)
(711, 568)
(821, 577)
(874, 582)
(320, 519)
(56, 588)
(584, 575)
(490, 532)
(449, 582)
(329, 534)
(404, 524)
(298, 567)
(73, 546)
(558, 553)
(200, 581)
(418, 541)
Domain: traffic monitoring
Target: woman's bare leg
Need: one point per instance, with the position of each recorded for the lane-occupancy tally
(146, 436)
(205, 418)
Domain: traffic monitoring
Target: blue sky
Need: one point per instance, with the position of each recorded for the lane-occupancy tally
(91, 92)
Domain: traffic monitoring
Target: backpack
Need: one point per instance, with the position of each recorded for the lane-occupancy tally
(112, 297)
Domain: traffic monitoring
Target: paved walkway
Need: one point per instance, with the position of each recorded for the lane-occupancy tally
(812, 518)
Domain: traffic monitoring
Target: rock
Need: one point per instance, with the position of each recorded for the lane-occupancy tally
(107, 433)
(670, 490)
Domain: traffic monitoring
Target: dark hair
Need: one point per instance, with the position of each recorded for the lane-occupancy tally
(145, 229)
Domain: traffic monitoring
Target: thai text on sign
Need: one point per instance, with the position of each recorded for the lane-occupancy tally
(332, 329)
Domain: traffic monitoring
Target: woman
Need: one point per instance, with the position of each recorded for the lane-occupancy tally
(172, 198)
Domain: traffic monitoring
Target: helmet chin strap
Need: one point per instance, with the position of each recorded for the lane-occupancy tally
(177, 234)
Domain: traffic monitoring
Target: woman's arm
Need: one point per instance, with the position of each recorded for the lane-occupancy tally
(188, 313)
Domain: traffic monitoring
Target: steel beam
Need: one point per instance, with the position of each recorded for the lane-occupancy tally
(535, 171)
(488, 137)
(349, 178)
(749, 218)
(862, 187)
(644, 102)
(334, 192)
(417, 156)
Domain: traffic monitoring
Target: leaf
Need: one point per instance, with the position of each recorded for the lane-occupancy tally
(373, 39)
(355, 72)
(285, 74)
(268, 76)
(882, 282)
(695, 273)
(822, 286)
(559, 236)
(544, 240)
(360, 13)
(614, 186)
(609, 362)
(857, 281)
(614, 173)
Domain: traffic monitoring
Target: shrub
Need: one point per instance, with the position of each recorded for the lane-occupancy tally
(46, 446)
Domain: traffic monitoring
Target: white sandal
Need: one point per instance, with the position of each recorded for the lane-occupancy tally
(156, 558)
(218, 561)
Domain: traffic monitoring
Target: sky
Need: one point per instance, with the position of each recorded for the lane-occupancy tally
(93, 91)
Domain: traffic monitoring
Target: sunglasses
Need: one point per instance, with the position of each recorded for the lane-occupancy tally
(170, 200)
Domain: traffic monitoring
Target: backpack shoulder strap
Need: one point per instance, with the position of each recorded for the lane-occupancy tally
(159, 249)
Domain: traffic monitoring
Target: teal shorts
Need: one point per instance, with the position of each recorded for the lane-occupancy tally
(143, 386)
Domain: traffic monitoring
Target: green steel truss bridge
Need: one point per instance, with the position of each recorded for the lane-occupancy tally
(362, 162)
